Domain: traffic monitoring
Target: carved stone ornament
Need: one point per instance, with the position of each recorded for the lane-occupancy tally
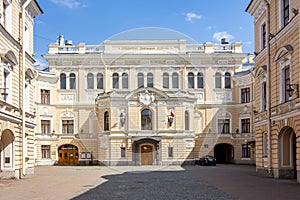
(146, 98)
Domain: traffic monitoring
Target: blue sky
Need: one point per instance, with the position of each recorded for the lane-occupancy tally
(93, 21)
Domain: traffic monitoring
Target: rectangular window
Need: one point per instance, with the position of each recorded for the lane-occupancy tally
(123, 152)
(45, 126)
(67, 126)
(45, 96)
(245, 151)
(263, 36)
(264, 96)
(285, 11)
(224, 126)
(46, 151)
(287, 81)
(246, 125)
(245, 95)
(170, 152)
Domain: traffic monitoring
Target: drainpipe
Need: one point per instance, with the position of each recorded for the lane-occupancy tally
(22, 103)
(268, 87)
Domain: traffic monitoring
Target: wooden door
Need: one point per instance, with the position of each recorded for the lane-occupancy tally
(68, 155)
(146, 154)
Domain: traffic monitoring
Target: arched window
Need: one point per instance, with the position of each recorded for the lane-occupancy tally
(227, 80)
(165, 80)
(186, 120)
(199, 80)
(90, 81)
(149, 80)
(140, 80)
(175, 80)
(217, 80)
(72, 81)
(146, 119)
(99, 81)
(106, 121)
(63, 79)
(115, 80)
(190, 80)
(125, 81)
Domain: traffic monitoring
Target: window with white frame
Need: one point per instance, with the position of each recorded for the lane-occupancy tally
(263, 36)
(63, 81)
(265, 145)
(284, 12)
(45, 96)
(106, 121)
(186, 120)
(227, 80)
(200, 82)
(67, 126)
(115, 80)
(149, 80)
(165, 80)
(6, 15)
(45, 126)
(246, 151)
(224, 122)
(146, 119)
(90, 81)
(245, 125)
(263, 96)
(191, 80)
(124, 81)
(175, 80)
(286, 81)
(140, 80)
(218, 80)
(46, 151)
(245, 95)
(99, 81)
(72, 81)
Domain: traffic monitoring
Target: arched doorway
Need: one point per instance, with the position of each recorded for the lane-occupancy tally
(146, 151)
(288, 163)
(68, 155)
(224, 153)
(6, 149)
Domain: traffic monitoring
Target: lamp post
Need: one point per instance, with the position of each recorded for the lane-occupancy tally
(293, 89)
(4, 94)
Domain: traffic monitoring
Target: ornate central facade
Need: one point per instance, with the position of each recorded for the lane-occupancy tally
(144, 102)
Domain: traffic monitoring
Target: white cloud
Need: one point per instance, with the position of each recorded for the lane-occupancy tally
(68, 3)
(191, 16)
(220, 35)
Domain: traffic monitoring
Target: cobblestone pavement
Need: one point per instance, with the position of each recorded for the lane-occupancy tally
(148, 182)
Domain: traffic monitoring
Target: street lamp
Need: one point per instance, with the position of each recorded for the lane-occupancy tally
(4, 94)
(293, 89)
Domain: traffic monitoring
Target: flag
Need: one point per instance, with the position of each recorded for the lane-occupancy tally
(172, 114)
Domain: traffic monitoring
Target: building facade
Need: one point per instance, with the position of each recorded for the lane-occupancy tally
(17, 77)
(144, 102)
(276, 72)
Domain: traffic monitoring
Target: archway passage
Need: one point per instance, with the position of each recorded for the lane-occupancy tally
(224, 153)
(146, 151)
(68, 155)
(6, 149)
(288, 152)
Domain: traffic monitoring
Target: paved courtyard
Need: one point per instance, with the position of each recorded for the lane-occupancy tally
(171, 182)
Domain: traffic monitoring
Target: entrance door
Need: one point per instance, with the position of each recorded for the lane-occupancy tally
(147, 154)
(68, 155)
